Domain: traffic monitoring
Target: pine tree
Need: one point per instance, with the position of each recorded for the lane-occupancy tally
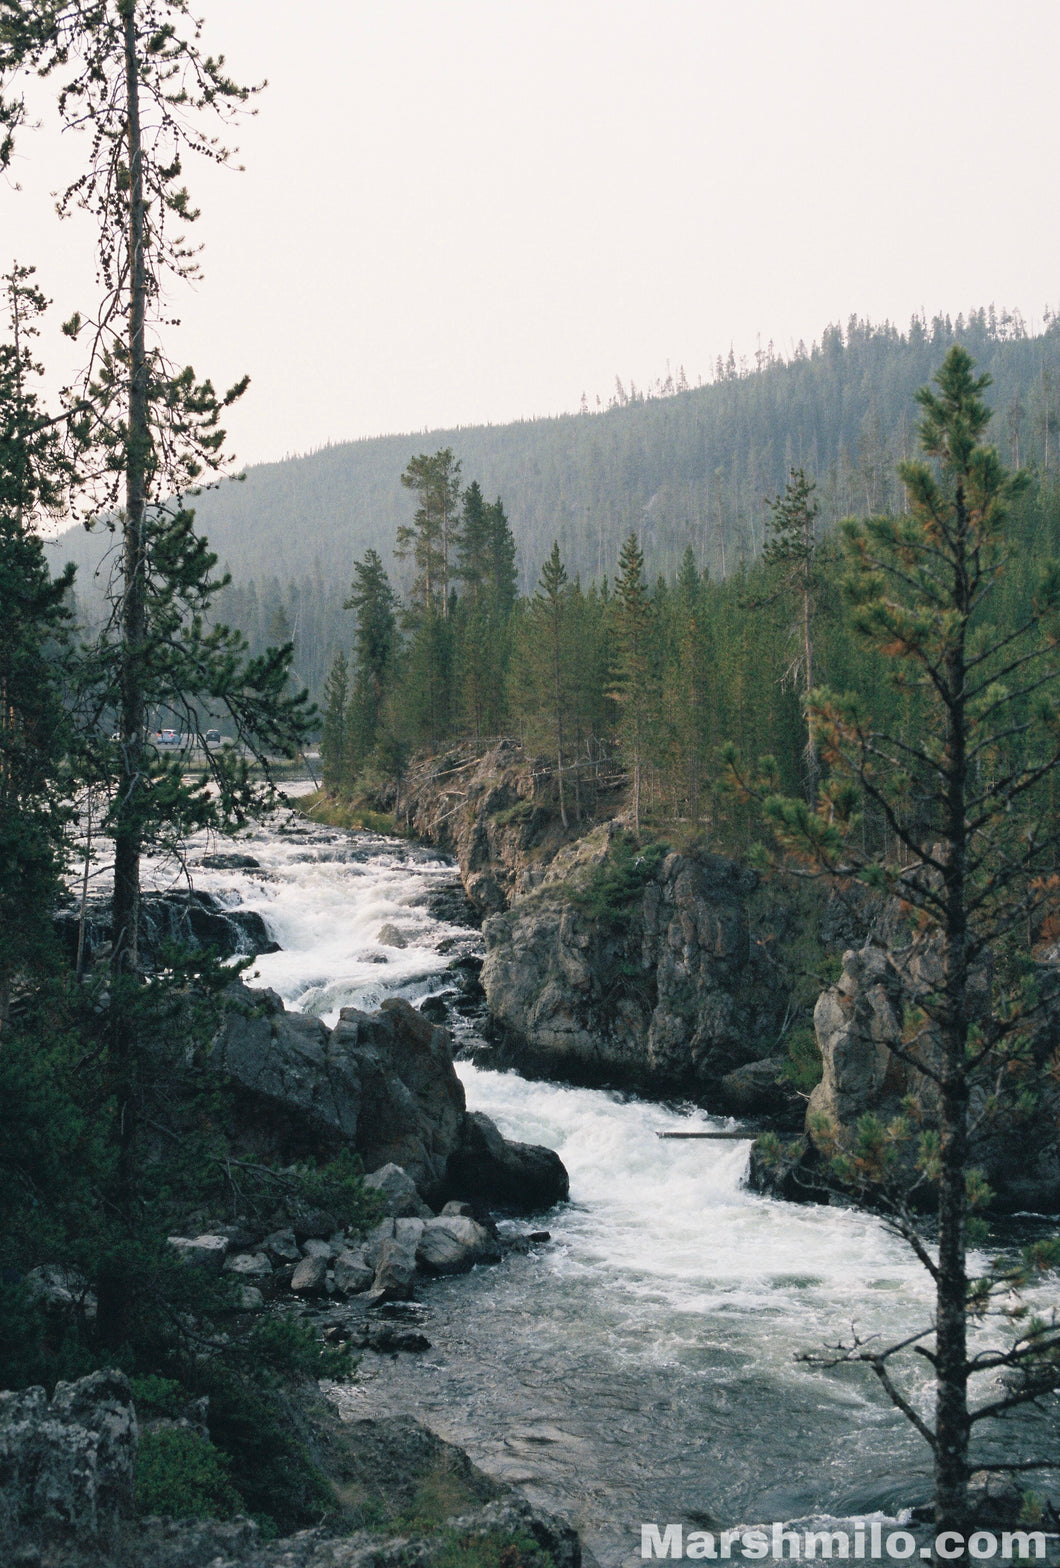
(433, 537)
(133, 70)
(548, 609)
(792, 550)
(375, 653)
(36, 740)
(333, 739)
(635, 671)
(965, 795)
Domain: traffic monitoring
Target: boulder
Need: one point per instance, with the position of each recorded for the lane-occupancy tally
(394, 1272)
(66, 1466)
(281, 1246)
(201, 1252)
(398, 1191)
(517, 1177)
(755, 1089)
(249, 1265)
(452, 1244)
(310, 1277)
(352, 1273)
(381, 1083)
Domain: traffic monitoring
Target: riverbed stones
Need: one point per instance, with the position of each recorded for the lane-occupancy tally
(453, 1243)
(352, 1273)
(310, 1277)
(201, 1252)
(394, 1272)
(398, 1191)
(281, 1246)
(249, 1266)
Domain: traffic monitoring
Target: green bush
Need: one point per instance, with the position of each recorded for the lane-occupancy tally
(804, 1068)
(183, 1476)
(616, 885)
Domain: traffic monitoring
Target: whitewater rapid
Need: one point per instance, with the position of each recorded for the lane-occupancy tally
(642, 1365)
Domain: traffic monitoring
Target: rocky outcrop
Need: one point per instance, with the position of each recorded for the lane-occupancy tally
(1015, 1141)
(382, 1084)
(672, 990)
(188, 919)
(496, 814)
(66, 1464)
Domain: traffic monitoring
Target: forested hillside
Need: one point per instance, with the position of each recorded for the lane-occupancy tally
(677, 465)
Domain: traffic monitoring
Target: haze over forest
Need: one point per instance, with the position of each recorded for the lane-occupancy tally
(676, 464)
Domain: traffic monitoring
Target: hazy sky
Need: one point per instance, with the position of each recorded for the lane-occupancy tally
(459, 211)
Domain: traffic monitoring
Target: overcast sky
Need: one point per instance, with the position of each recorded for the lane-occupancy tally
(460, 211)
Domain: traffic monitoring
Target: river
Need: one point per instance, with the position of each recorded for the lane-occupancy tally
(641, 1366)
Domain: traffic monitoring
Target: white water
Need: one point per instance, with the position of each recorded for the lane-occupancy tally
(642, 1365)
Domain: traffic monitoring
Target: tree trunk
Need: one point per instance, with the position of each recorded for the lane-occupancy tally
(952, 1426)
(128, 825)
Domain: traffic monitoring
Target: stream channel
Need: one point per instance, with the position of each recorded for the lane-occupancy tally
(640, 1366)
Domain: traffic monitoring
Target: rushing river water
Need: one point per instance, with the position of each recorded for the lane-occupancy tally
(641, 1366)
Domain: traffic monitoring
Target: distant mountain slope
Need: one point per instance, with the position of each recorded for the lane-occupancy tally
(693, 467)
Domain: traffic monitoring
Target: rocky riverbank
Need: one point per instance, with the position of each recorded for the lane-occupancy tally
(618, 962)
(401, 1496)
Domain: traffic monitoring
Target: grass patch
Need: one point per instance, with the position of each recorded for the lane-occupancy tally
(510, 816)
(347, 814)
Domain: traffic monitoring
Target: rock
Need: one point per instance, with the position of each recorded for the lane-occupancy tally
(382, 1084)
(66, 1467)
(250, 1298)
(409, 1231)
(398, 1191)
(230, 862)
(352, 1273)
(456, 1206)
(316, 1247)
(518, 1177)
(249, 1265)
(669, 991)
(282, 1246)
(201, 1252)
(306, 1220)
(309, 1277)
(453, 1243)
(390, 936)
(755, 1089)
(58, 1287)
(394, 1272)
(306, 1095)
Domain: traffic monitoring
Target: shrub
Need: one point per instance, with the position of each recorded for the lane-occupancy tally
(183, 1476)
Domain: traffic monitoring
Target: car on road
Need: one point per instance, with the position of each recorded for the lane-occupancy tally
(168, 738)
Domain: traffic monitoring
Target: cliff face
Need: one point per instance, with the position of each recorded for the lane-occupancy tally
(667, 984)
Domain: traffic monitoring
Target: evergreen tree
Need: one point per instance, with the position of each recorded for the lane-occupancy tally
(635, 672)
(549, 608)
(433, 537)
(375, 652)
(966, 796)
(792, 551)
(133, 69)
(35, 734)
(333, 740)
